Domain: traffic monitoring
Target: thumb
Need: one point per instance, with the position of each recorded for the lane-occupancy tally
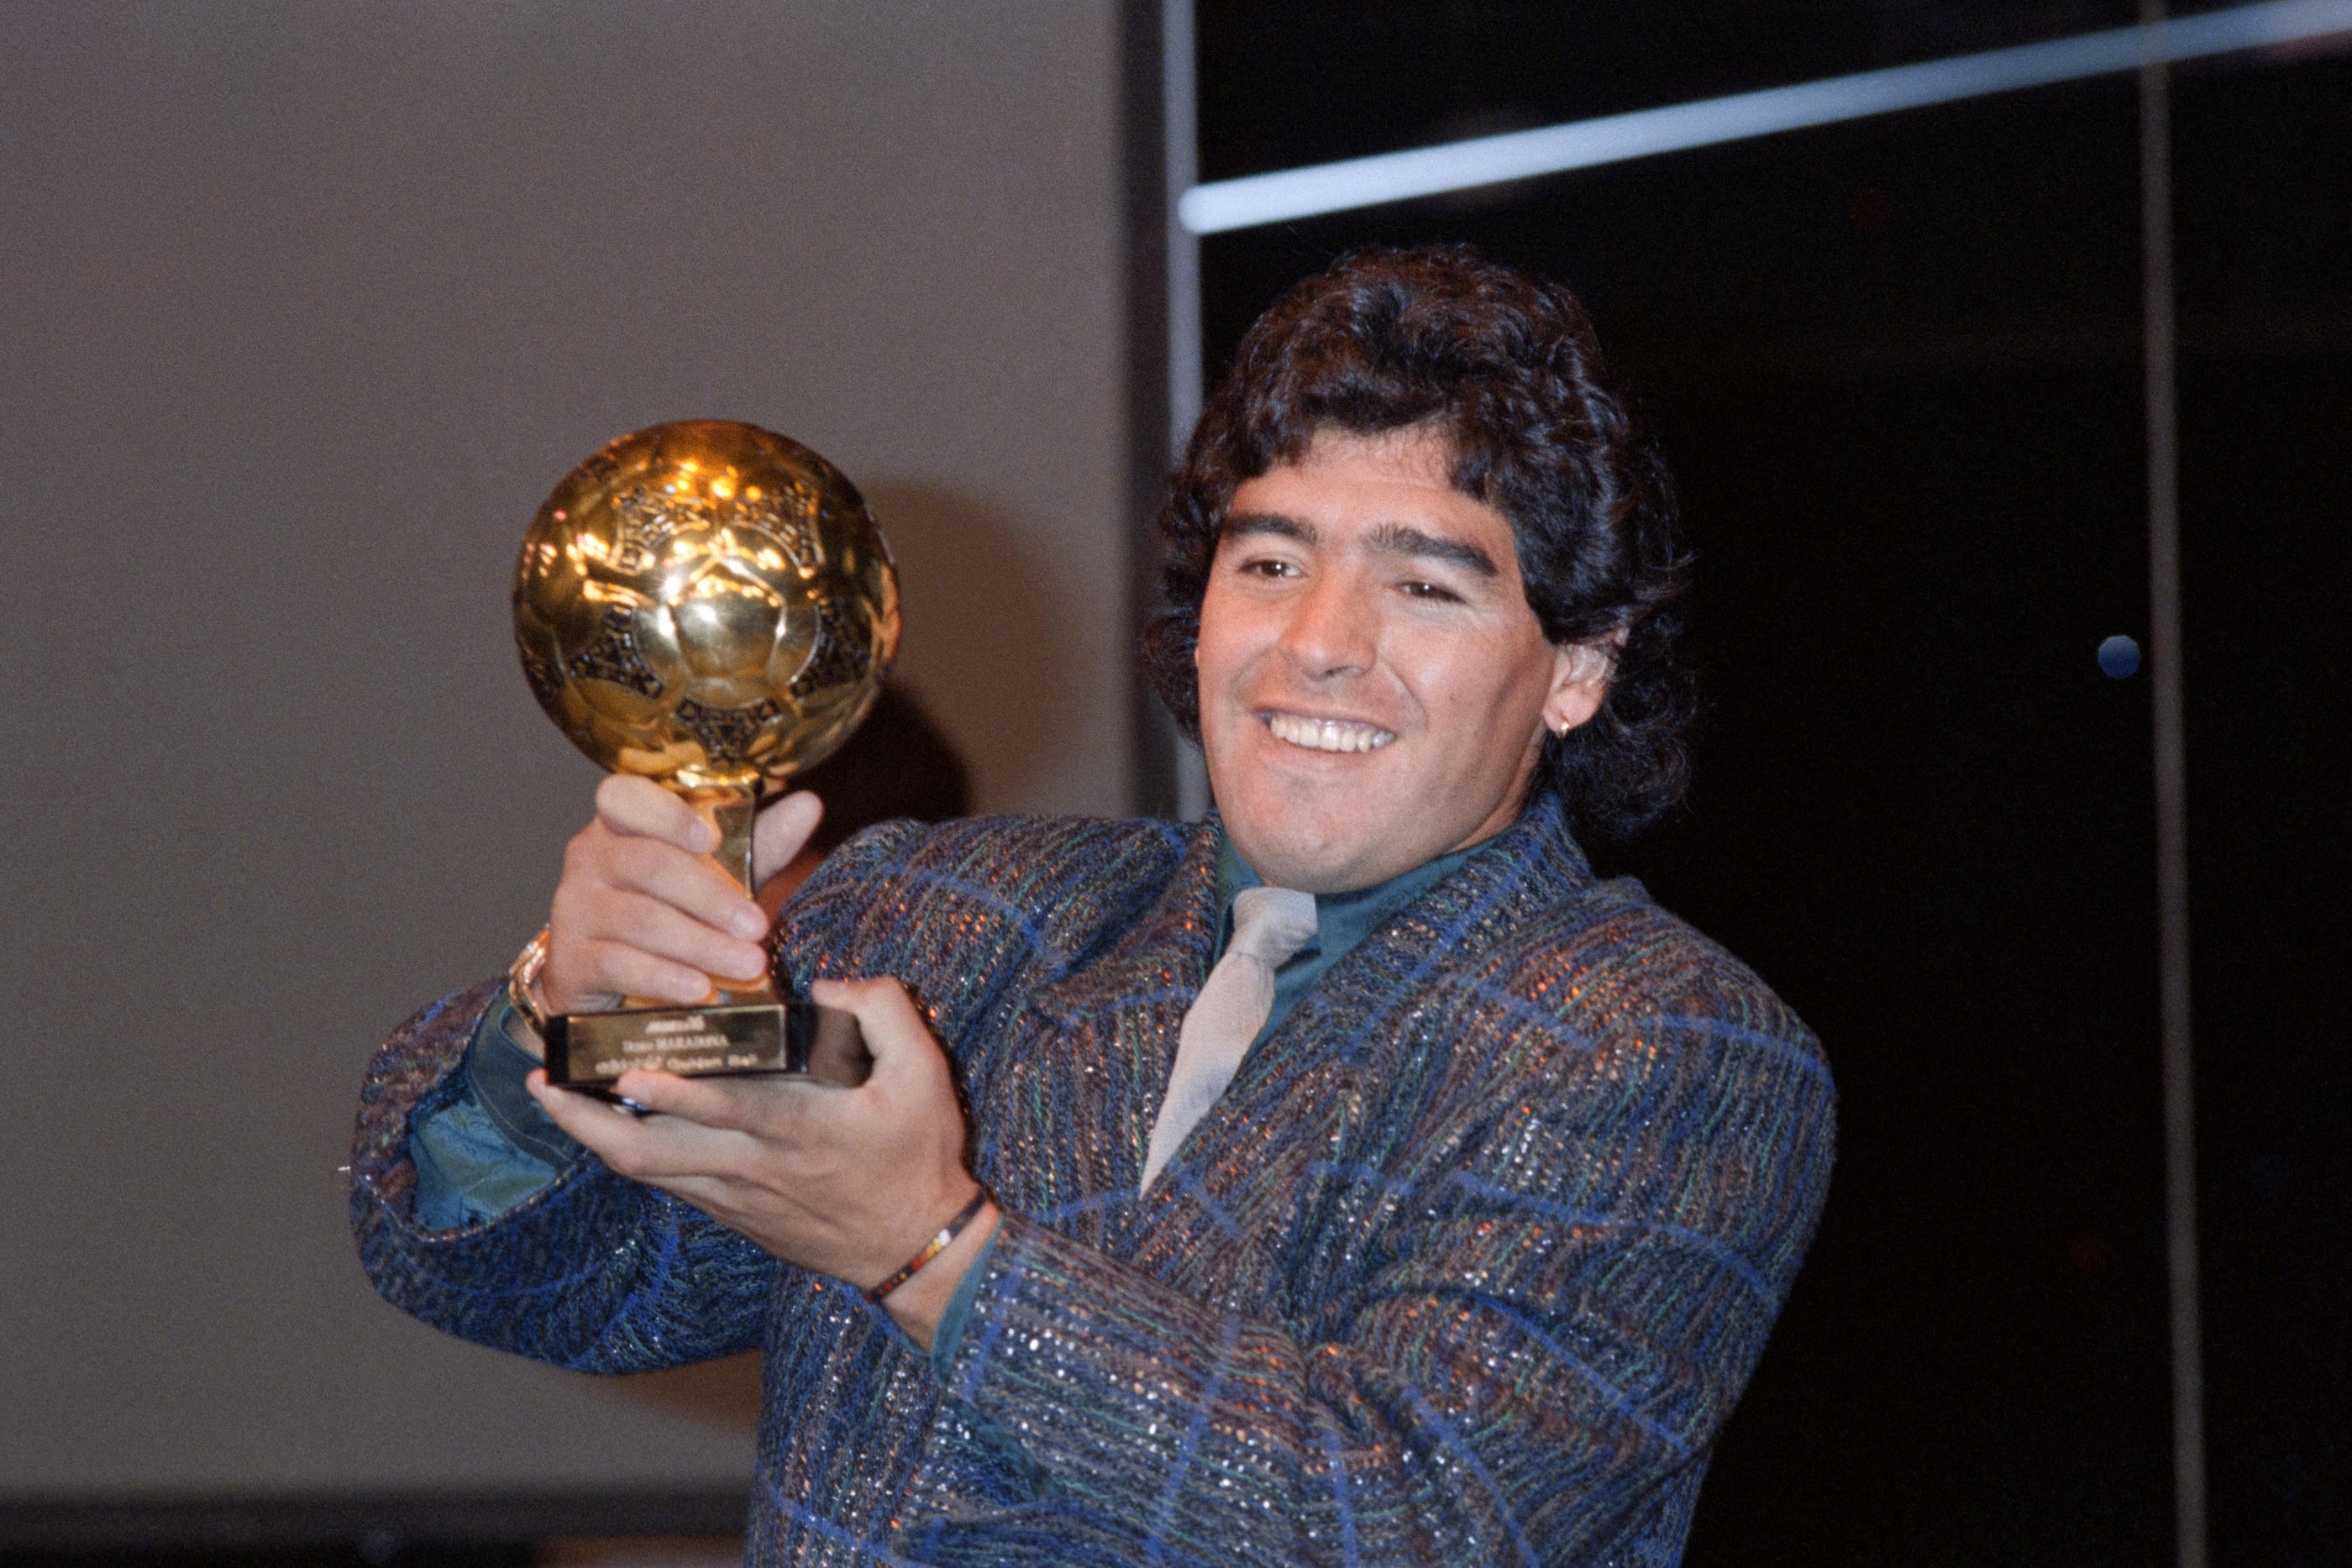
(895, 1031)
(782, 832)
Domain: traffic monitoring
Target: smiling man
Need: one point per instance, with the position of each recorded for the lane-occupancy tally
(1350, 1178)
(1374, 688)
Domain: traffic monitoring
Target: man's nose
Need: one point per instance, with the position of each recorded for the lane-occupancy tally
(1333, 629)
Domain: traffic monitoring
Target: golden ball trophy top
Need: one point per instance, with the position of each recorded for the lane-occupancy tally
(707, 603)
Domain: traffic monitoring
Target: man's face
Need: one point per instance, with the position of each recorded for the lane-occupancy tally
(1374, 689)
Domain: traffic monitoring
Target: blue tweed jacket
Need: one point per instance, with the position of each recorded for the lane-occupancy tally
(1468, 1266)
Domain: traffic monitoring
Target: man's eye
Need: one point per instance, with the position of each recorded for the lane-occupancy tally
(1264, 567)
(1432, 590)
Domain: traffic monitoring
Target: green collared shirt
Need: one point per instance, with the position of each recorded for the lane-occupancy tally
(1341, 920)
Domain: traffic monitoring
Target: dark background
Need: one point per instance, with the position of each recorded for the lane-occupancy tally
(1896, 365)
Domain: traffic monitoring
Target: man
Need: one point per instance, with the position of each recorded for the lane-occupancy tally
(1454, 1242)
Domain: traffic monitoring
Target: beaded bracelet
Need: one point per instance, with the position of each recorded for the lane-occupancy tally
(938, 1244)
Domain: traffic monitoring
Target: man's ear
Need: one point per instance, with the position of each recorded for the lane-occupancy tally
(1581, 674)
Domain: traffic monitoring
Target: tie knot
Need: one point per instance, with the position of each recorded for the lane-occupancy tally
(1270, 924)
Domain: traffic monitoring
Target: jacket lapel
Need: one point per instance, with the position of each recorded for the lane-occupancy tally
(1067, 1119)
(1289, 1089)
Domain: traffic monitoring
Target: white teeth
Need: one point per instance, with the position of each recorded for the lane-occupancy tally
(1329, 734)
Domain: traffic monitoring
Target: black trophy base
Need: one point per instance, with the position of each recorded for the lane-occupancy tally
(586, 1052)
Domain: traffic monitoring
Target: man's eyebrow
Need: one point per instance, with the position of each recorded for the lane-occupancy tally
(1399, 539)
(1239, 525)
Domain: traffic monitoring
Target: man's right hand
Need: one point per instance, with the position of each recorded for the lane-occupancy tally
(643, 911)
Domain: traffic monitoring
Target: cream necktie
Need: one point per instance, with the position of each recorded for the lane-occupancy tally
(1270, 924)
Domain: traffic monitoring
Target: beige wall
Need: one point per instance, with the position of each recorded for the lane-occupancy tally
(305, 307)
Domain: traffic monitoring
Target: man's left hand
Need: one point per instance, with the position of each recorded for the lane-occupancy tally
(850, 1182)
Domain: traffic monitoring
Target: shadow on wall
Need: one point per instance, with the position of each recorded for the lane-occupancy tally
(988, 647)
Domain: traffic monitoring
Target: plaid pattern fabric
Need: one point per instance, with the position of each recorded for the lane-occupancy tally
(1468, 1266)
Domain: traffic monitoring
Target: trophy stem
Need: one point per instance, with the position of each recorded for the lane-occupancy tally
(731, 809)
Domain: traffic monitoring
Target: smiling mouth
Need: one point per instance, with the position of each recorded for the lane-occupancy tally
(1327, 734)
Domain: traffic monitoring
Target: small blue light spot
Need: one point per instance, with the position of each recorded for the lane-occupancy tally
(2119, 657)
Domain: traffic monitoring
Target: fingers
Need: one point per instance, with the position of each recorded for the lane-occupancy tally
(639, 808)
(690, 884)
(780, 832)
(641, 913)
(619, 969)
(611, 941)
(670, 936)
(896, 1030)
(763, 1107)
(880, 1005)
(647, 840)
(844, 1182)
(651, 1149)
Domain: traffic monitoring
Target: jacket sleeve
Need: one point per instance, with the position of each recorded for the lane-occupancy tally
(1532, 1332)
(594, 1272)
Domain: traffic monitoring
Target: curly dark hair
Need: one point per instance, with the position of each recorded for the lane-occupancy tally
(1505, 366)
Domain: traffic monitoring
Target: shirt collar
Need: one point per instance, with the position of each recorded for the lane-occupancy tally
(1341, 919)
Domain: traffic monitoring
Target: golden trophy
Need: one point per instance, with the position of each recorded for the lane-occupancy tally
(707, 604)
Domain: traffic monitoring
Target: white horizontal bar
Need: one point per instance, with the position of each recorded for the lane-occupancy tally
(1288, 193)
